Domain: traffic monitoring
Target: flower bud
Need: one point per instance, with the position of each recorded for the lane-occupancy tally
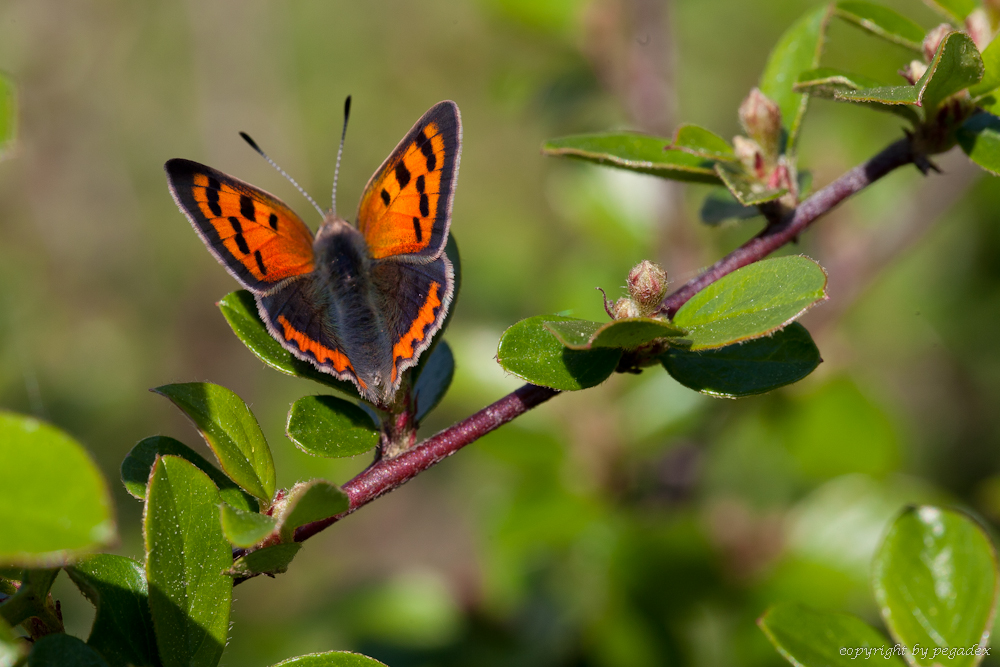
(647, 283)
(933, 40)
(625, 307)
(977, 26)
(749, 155)
(913, 71)
(761, 118)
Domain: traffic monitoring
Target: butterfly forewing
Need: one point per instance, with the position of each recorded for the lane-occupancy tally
(257, 237)
(405, 210)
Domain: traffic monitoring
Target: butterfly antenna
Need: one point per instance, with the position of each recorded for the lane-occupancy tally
(253, 145)
(340, 151)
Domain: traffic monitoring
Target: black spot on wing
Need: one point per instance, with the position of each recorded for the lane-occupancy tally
(420, 184)
(416, 230)
(402, 174)
(424, 143)
(241, 242)
(425, 206)
(273, 221)
(385, 197)
(247, 209)
(260, 262)
(212, 195)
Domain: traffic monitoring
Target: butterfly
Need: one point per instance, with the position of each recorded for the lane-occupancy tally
(361, 302)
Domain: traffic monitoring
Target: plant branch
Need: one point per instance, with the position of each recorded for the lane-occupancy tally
(387, 474)
(773, 237)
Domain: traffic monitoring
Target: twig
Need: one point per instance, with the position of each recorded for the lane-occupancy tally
(773, 237)
(387, 474)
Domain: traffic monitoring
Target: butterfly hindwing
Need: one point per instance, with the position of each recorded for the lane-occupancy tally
(252, 233)
(421, 294)
(295, 319)
(405, 210)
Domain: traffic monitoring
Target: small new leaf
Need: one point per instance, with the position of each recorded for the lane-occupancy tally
(634, 152)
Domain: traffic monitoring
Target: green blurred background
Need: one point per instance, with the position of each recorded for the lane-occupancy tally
(633, 524)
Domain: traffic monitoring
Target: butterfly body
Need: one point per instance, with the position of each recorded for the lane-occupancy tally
(360, 302)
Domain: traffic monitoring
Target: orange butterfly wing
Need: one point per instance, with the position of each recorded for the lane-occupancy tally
(406, 206)
(253, 234)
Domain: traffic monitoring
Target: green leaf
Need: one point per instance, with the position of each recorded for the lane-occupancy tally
(809, 638)
(720, 205)
(532, 353)
(331, 427)
(703, 143)
(231, 431)
(331, 659)
(12, 648)
(8, 115)
(245, 529)
(123, 628)
(979, 137)
(240, 310)
(139, 462)
(957, 65)
(991, 71)
(54, 502)
(186, 559)
(935, 581)
(749, 368)
(311, 501)
(61, 650)
(635, 152)
(269, 560)
(798, 50)
(434, 379)
(752, 302)
(831, 83)
(747, 190)
(953, 10)
(626, 334)
(882, 21)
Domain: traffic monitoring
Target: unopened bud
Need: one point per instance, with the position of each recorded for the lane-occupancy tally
(977, 26)
(647, 283)
(761, 118)
(625, 307)
(749, 154)
(913, 71)
(933, 40)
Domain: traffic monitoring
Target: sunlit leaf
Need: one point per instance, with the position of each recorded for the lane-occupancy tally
(139, 462)
(635, 152)
(434, 379)
(748, 191)
(935, 581)
(626, 334)
(245, 529)
(753, 367)
(798, 50)
(123, 627)
(882, 21)
(703, 143)
(531, 352)
(991, 71)
(186, 559)
(331, 659)
(979, 137)
(61, 650)
(752, 302)
(311, 501)
(953, 10)
(231, 431)
(831, 83)
(271, 560)
(54, 503)
(331, 427)
(809, 638)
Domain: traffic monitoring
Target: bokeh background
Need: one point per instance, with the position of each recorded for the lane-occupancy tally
(633, 524)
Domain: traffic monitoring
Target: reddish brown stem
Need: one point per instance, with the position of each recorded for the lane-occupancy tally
(385, 475)
(773, 237)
